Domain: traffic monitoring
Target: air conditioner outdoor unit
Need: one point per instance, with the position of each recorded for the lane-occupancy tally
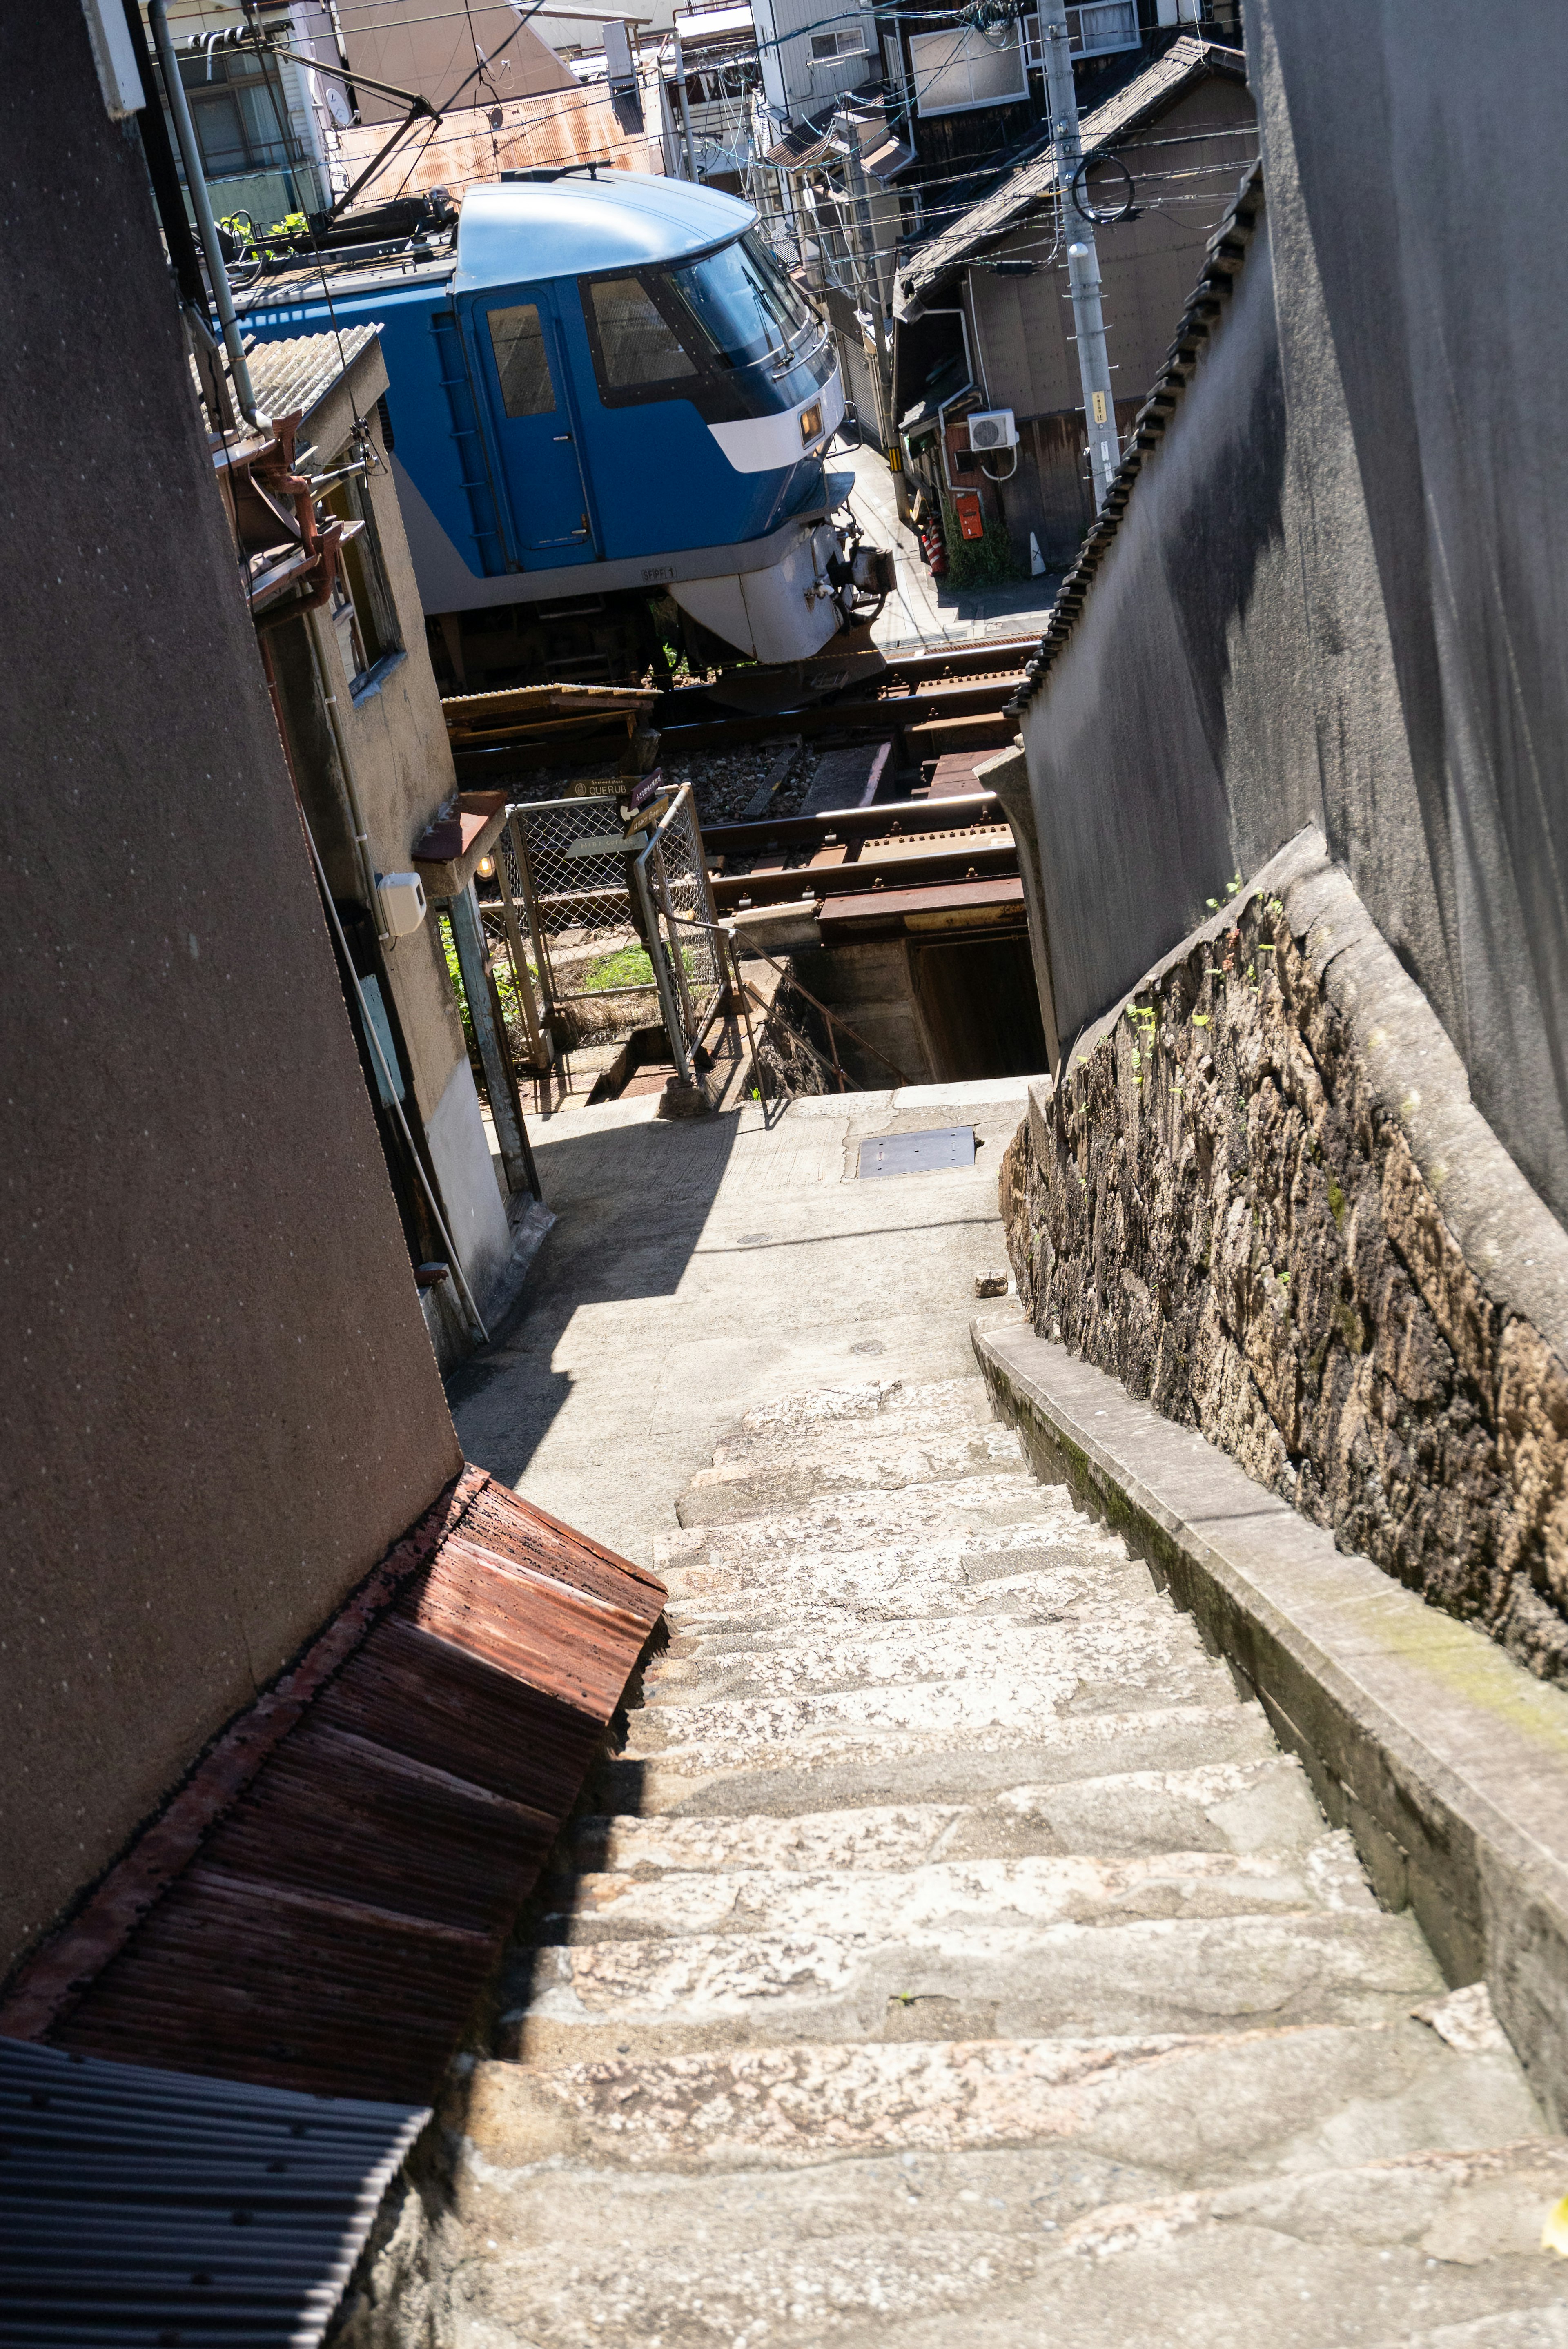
(992, 428)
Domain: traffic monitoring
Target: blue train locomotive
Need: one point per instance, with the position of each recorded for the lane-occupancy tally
(605, 392)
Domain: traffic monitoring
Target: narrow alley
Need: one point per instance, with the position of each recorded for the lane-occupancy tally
(952, 1952)
(785, 1177)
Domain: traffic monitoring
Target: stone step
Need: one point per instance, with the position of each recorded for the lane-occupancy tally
(720, 1733)
(1167, 1974)
(911, 1516)
(1192, 2112)
(853, 1459)
(1013, 2250)
(1023, 1580)
(1241, 1806)
(784, 1614)
(1124, 1645)
(956, 1896)
(852, 1769)
(940, 1402)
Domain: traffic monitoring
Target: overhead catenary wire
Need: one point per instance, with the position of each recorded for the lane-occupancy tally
(592, 95)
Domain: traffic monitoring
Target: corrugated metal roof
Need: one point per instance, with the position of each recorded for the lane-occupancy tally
(1187, 59)
(300, 373)
(320, 1904)
(149, 2207)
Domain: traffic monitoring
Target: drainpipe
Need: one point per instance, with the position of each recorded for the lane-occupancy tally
(316, 627)
(201, 204)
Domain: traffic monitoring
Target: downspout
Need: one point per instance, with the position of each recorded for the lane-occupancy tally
(201, 204)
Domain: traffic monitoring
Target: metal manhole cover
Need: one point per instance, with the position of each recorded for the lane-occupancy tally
(917, 1153)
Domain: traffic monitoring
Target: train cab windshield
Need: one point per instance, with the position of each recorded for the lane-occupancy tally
(730, 332)
(746, 303)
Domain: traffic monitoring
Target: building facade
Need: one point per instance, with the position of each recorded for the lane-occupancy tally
(983, 319)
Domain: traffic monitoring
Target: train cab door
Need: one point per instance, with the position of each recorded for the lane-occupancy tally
(523, 376)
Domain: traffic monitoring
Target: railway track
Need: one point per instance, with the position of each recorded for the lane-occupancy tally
(948, 698)
(927, 702)
(943, 698)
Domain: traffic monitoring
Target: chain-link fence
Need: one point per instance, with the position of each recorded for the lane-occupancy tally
(608, 922)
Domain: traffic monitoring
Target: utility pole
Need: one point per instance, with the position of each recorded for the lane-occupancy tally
(869, 272)
(1083, 260)
(685, 109)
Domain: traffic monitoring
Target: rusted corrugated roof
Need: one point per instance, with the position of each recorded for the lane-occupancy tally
(150, 2207)
(320, 1904)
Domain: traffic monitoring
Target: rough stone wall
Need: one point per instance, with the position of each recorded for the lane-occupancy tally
(1226, 1204)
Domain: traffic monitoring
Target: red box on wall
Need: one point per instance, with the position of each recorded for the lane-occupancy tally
(970, 522)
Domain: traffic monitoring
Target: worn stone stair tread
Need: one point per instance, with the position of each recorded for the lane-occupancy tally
(954, 1961)
(1183, 1974)
(1526, 2328)
(754, 1485)
(994, 2249)
(1200, 2111)
(1392, 2250)
(957, 1895)
(1051, 1534)
(778, 1610)
(874, 1520)
(854, 1768)
(780, 1616)
(733, 1730)
(1257, 1806)
(793, 1418)
(1138, 1636)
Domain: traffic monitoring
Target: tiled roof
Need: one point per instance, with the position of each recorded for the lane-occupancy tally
(1227, 252)
(300, 374)
(1187, 59)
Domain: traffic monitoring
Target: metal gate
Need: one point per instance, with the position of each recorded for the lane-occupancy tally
(620, 918)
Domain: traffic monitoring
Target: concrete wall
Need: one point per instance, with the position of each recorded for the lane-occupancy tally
(1336, 588)
(219, 1401)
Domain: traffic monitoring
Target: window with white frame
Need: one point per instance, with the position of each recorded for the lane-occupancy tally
(828, 47)
(958, 69)
(1096, 29)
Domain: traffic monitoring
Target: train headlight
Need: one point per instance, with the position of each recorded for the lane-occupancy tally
(810, 422)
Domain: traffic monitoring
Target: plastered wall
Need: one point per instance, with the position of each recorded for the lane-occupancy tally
(218, 1400)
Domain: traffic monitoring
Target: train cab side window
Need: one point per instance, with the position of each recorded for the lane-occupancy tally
(636, 350)
(517, 338)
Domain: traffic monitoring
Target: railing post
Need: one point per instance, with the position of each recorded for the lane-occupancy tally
(660, 970)
(495, 1057)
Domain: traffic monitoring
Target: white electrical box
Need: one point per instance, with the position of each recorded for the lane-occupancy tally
(402, 896)
(993, 427)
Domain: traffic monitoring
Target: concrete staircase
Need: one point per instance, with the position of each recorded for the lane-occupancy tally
(958, 1960)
